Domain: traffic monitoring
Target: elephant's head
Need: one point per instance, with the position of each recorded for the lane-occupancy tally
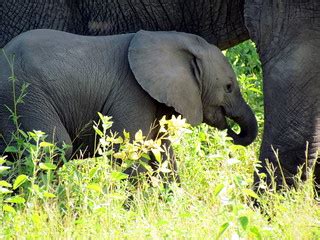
(185, 72)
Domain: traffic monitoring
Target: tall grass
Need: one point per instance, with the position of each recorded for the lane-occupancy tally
(89, 198)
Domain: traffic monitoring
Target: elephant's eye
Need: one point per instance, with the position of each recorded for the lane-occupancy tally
(229, 88)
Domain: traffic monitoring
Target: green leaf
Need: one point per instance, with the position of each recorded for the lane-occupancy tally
(139, 136)
(3, 160)
(36, 188)
(250, 193)
(19, 181)
(237, 147)
(146, 156)
(4, 190)
(46, 144)
(11, 149)
(3, 168)
(8, 208)
(218, 189)
(255, 90)
(244, 221)
(164, 167)
(23, 133)
(47, 166)
(126, 134)
(100, 115)
(36, 135)
(15, 199)
(5, 184)
(98, 131)
(94, 186)
(39, 133)
(106, 121)
(202, 136)
(92, 172)
(118, 176)
(222, 229)
(256, 232)
(134, 156)
(118, 140)
(146, 166)
(157, 154)
(49, 195)
(120, 155)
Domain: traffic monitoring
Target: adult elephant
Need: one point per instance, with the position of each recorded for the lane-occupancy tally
(219, 21)
(286, 32)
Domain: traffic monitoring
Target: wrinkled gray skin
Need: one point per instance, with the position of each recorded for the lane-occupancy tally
(220, 22)
(135, 78)
(286, 33)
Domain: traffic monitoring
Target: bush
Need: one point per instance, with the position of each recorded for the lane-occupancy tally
(88, 198)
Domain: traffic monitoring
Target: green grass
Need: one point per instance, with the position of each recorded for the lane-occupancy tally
(85, 198)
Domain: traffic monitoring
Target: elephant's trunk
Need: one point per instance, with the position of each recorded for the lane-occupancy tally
(247, 122)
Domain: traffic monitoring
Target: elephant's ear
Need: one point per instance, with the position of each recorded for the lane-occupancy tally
(162, 64)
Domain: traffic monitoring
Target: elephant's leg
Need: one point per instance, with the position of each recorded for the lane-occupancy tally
(132, 110)
(38, 114)
(167, 177)
(169, 157)
(287, 36)
(35, 113)
(135, 111)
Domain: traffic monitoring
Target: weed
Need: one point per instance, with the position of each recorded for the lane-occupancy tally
(85, 198)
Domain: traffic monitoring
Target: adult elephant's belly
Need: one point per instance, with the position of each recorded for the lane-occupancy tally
(292, 108)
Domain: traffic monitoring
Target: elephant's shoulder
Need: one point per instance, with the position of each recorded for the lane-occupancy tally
(42, 53)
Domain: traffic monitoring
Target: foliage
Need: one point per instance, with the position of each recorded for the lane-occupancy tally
(93, 198)
(246, 64)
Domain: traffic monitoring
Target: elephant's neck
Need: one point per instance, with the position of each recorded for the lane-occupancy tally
(116, 55)
(219, 21)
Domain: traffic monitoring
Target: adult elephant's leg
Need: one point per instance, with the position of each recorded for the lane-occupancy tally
(292, 108)
(287, 34)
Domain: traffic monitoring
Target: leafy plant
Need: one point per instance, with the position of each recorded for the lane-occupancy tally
(85, 198)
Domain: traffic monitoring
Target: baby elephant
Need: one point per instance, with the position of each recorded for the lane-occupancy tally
(135, 78)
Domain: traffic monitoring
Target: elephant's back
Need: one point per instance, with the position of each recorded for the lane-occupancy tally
(52, 55)
(45, 52)
(49, 38)
(68, 70)
(53, 61)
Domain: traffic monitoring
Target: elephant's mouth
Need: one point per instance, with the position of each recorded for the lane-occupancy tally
(247, 123)
(221, 122)
(226, 115)
(243, 117)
